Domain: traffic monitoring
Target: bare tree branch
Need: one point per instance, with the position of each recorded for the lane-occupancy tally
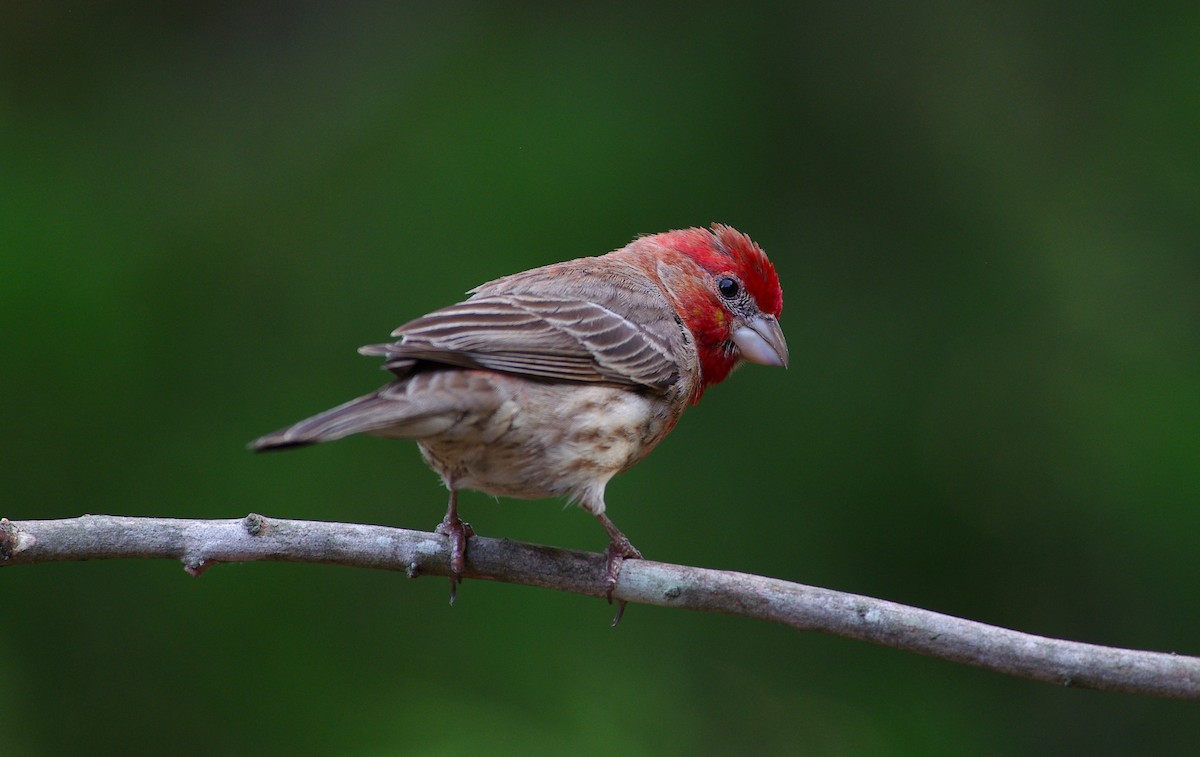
(200, 544)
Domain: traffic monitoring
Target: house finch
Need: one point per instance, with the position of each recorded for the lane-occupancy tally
(548, 383)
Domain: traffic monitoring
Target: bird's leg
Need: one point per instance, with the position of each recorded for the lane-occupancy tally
(618, 550)
(454, 529)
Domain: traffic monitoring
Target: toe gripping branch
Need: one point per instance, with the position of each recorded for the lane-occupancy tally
(454, 529)
(619, 550)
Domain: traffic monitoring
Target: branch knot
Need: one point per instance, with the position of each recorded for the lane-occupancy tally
(13, 540)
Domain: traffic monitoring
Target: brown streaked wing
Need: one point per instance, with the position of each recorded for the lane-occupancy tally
(538, 335)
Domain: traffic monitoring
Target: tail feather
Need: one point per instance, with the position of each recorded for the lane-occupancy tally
(363, 415)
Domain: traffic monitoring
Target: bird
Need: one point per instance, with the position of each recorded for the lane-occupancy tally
(549, 382)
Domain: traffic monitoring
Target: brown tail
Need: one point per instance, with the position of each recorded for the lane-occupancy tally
(365, 414)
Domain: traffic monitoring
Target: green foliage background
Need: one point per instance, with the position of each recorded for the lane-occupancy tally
(987, 221)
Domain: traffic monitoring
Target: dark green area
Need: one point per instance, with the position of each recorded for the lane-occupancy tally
(986, 219)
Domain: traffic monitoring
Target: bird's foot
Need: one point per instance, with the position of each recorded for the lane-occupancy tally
(457, 531)
(618, 550)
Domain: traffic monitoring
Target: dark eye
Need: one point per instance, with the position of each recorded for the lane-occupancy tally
(728, 287)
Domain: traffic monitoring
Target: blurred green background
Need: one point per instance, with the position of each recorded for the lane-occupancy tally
(987, 224)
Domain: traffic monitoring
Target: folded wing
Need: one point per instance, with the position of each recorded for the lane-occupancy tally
(600, 329)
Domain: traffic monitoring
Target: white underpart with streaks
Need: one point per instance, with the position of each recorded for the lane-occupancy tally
(495, 441)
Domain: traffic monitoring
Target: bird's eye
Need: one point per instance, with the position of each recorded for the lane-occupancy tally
(728, 287)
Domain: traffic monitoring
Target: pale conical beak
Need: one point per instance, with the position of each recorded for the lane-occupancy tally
(761, 341)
